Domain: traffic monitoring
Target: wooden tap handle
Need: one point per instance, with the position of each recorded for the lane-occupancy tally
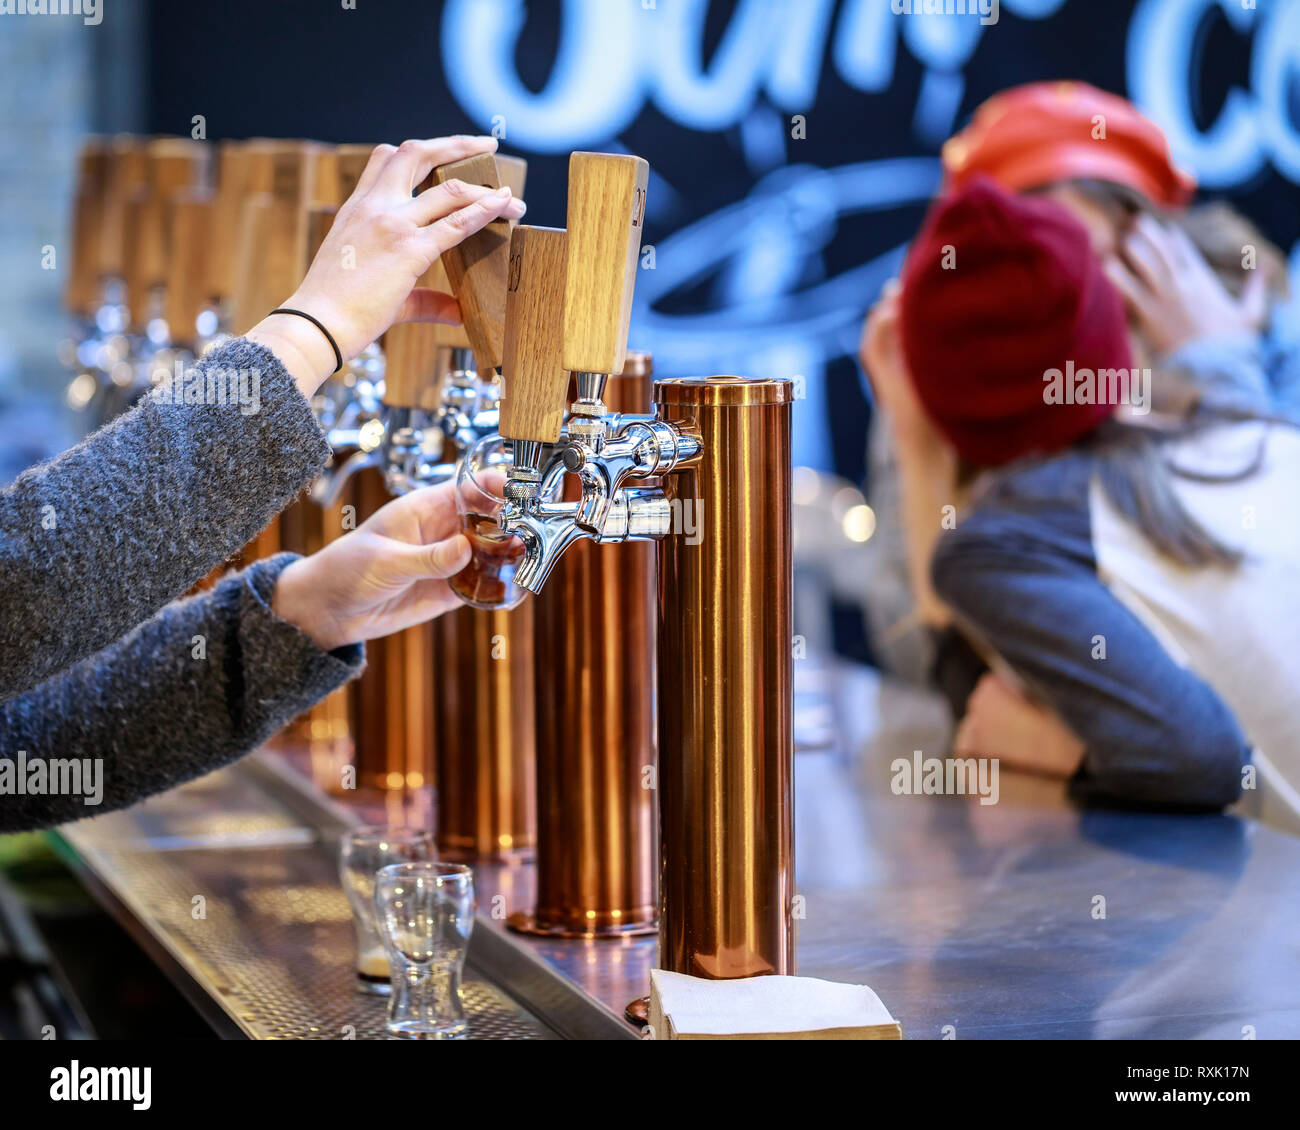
(415, 360)
(137, 257)
(81, 292)
(512, 171)
(326, 182)
(533, 377)
(291, 166)
(352, 161)
(189, 278)
(606, 213)
(175, 164)
(320, 218)
(128, 171)
(249, 304)
(271, 255)
(235, 172)
(414, 365)
(452, 336)
(477, 267)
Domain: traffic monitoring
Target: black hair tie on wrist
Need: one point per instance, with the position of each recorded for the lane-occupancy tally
(334, 345)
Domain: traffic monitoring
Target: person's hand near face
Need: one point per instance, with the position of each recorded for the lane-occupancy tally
(927, 464)
(382, 241)
(1173, 295)
(881, 354)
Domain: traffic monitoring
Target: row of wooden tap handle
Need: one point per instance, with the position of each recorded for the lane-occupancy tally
(185, 226)
(232, 227)
(564, 697)
(211, 224)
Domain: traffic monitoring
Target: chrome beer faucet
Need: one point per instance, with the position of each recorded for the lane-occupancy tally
(351, 415)
(421, 446)
(607, 450)
(723, 702)
(467, 410)
(588, 271)
(413, 446)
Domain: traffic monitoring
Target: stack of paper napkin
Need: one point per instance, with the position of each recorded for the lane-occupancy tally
(765, 1008)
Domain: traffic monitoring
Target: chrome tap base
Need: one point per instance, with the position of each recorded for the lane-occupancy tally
(638, 1012)
(527, 922)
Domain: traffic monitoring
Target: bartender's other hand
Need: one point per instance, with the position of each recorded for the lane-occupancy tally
(1173, 294)
(1001, 722)
(382, 240)
(388, 574)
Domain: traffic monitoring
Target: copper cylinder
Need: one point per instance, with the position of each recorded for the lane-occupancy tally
(393, 711)
(266, 544)
(726, 738)
(596, 728)
(324, 731)
(487, 807)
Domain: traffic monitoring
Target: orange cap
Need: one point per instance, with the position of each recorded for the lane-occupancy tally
(1044, 132)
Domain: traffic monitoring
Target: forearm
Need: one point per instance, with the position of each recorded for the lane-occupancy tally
(100, 538)
(197, 686)
(1152, 731)
(300, 346)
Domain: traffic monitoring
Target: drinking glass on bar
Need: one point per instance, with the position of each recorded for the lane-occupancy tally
(363, 852)
(426, 913)
(488, 580)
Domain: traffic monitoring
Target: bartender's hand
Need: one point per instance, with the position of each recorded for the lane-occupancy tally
(1173, 295)
(388, 574)
(382, 240)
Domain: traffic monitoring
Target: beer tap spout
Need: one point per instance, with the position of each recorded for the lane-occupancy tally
(327, 488)
(547, 529)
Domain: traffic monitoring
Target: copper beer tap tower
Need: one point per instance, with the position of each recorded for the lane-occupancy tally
(632, 723)
(706, 476)
(453, 702)
(596, 729)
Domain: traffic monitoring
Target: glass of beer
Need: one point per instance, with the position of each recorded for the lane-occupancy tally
(426, 914)
(488, 580)
(364, 851)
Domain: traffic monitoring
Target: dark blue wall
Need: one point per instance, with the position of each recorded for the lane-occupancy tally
(767, 249)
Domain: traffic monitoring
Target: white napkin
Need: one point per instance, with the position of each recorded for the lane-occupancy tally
(772, 1004)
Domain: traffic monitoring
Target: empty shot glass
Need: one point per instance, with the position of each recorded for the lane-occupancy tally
(363, 852)
(426, 913)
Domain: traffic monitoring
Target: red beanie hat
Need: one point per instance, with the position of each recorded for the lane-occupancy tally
(998, 291)
(1033, 135)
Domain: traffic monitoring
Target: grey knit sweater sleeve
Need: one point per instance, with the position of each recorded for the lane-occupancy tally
(99, 539)
(196, 686)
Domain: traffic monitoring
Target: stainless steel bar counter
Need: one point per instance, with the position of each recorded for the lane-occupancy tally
(1026, 918)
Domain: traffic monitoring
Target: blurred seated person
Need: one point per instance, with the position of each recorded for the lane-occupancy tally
(1200, 287)
(1200, 282)
(1133, 588)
